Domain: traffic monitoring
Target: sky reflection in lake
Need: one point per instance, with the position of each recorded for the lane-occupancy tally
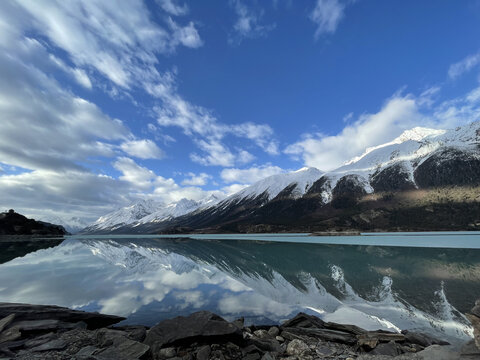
(150, 279)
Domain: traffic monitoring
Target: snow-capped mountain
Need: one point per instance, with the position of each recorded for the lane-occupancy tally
(71, 224)
(124, 216)
(420, 158)
(301, 180)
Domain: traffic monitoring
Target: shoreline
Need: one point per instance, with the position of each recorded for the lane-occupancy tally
(51, 332)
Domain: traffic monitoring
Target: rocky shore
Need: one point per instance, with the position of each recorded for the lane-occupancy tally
(51, 332)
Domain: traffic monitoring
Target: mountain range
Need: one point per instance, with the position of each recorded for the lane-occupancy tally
(426, 179)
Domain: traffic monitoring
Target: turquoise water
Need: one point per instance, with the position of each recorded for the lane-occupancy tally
(390, 281)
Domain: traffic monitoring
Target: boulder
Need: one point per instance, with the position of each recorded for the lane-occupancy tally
(297, 348)
(202, 326)
(422, 339)
(27, 312)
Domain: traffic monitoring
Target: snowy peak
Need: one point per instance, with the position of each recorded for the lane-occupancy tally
(274, 184)
(418, 134)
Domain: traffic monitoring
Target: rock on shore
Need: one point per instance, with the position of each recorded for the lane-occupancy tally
(52, 332)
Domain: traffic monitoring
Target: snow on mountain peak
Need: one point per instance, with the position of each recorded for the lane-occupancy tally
(274, 184)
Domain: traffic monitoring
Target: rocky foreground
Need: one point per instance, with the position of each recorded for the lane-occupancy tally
(51, 332)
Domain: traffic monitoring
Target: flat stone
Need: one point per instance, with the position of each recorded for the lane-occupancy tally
(297, 348)
(39, 340)
(86, 352)
(324, 334)
(167, 353)
(6, 321)
(279, 338)
(438, 352)
(10, 334)
(324, 350)
(133, 332)
(56, 344)
(49, 312)
(470, 349)
(123, 348)
(202, 326)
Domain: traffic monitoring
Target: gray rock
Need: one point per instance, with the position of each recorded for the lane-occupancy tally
(279, 338)
(48, 312)
(323, 350)
(438, 352)
(39, 340)
(200, 326)
(297, 348)
(305, 321)
(252, 356)
(204, 352)
(262, 334)
(167, 353)
(391, 349)
(268, 356)
(123, 348)
(324, 334)
(274, 331)
(10, 334)
(239, 322)
(57, 344)
(6, 321)
(86, 352)
(133, 332)
(476, 309)
(422, 339)
(266, 344)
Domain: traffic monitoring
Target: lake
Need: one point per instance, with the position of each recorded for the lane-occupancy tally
(377, 281)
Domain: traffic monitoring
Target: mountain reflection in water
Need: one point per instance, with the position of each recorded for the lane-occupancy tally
(148, 279)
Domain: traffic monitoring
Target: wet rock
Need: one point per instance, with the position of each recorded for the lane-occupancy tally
(297, 348)
(30, 312)
(201, 326)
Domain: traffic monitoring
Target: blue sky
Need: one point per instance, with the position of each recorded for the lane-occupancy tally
(104, 103)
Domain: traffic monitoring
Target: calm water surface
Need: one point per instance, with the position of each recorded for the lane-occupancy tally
(389, 281)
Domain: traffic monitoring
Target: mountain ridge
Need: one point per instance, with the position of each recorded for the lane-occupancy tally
(417, 161)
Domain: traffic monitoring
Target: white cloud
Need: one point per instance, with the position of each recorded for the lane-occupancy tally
(234, 188)
(216, 154)
(400, 113)
(120, 42)
(458, 69)
(196, 180)
(138, 176)
(143, 149)
(248, 23)
(250, 175)
(328, 152)
(187, 36)
(172, 7)
(327, 14)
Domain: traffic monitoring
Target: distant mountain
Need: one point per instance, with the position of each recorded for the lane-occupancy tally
(12, 223)
(425, 179)
(146, 212)
(71, 224)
